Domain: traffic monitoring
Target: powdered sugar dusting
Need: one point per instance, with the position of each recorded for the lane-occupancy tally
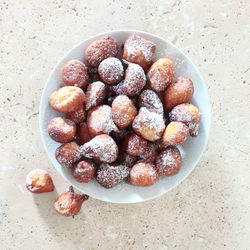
(111, 70)
(143, 174)
(67, 154)
(110, 175)
(189, 114)
(100, 120)
(101, 49)
(135, 80)
(168, 159)
(147, 171)
(65, 125)
(161, 74)
(35, 174)
(168, 162)
(152, 121)
(135, 145)
(150, 100)
(102, 148)
(119, 88)
(81, 171)
(95, 94)
(149, 124)
(135, 46)
(69, 126)
(74, 73)
(61, 129)
(186, 86)
(78, 116)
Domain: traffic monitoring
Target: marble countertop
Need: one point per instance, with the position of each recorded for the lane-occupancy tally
(209, 210)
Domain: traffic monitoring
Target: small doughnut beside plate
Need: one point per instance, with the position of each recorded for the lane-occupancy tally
(191, 150)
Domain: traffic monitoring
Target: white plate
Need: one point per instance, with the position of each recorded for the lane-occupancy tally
(191, 150)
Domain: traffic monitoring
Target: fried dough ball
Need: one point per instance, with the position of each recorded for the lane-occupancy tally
(188, 114)
(143, 174)
(69, 203)
(62, 130)
(123, 111)
(175, 134)
(67, 99)
(101, 49)
(118, 89)
(139, 50)
(150, 100)
(74, 73)
(135, 145)
(83, 132)
(67, 154)
(111, 70)
(95, 94)
(39, 181)
(102, 148)
(149, 125)
(135, 79)
(179, 91)
(100, 120)
(160, 74)
(83, 171)
(168, 162)
(77, 116)
(109, 175)
(133, 83)
(150, 153)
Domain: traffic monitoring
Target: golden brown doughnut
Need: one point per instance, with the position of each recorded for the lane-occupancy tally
(102, 148)
(149, 125)
(101, 49)
(139, 50)
(67, 99)
(160, 74)
(83, 171)
(188, 114)
(111, 70)
(123, 111)
(143, 174)
(74, 73)
(175, 134)
(39, 181)
(100, 120)
(109, 175)
(95, 94)
(62, 130)
(179, 91)
(67, 154)
(135, 145)
(69, 203)
(168, 162)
